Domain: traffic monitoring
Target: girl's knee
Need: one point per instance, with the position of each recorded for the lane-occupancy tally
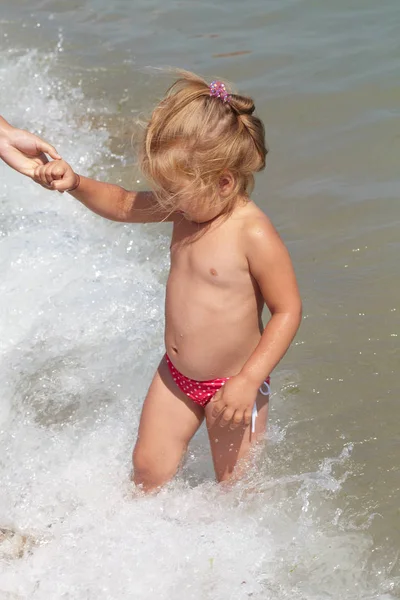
(151, 471)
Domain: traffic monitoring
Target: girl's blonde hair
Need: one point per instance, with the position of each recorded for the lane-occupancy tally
(192, 138)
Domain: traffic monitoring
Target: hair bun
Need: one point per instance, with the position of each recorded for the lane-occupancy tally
(242, 105)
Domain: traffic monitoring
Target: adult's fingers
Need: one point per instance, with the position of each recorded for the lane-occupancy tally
(43, 146)
(40, 159)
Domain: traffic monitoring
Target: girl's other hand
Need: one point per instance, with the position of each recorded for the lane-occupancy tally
(57, 175)
(234, 402)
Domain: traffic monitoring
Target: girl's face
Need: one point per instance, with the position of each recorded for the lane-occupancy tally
(199, 212)
(200, 209)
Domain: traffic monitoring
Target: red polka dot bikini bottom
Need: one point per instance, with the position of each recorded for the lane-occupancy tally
(201, 392)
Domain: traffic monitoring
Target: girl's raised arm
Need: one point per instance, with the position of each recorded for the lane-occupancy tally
(118, 204)
(105, 199)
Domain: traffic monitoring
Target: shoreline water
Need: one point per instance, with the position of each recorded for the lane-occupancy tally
(82, 299)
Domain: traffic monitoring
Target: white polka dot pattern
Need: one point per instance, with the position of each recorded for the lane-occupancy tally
(200, 392)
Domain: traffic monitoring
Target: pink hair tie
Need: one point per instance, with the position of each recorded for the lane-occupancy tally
(218, 90)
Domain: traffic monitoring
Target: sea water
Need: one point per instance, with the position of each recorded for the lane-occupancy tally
(81, 332)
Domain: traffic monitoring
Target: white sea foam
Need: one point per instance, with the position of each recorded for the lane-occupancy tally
(81, 331)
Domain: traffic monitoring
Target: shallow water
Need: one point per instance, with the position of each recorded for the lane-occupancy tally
(81, 308)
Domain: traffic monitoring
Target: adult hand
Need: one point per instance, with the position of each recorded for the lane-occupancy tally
(24, 151)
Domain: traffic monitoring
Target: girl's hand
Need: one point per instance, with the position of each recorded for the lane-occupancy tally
(57, 175)
(234, 402)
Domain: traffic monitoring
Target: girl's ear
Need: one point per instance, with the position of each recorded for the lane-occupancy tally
(226, 183)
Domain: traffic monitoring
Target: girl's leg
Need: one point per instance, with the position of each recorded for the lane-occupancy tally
(232, 446)
(169, 420)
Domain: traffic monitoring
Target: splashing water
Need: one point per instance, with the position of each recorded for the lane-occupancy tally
(81, 332)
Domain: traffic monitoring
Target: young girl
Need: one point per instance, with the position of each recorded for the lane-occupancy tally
(201, 148)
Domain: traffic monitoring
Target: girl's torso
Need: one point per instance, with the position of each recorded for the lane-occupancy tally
(213, 304)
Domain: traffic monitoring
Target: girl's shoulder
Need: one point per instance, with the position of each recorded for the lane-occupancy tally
(258, 232)
(255, 222)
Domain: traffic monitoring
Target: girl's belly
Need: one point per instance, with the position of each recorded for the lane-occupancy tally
(207, 341)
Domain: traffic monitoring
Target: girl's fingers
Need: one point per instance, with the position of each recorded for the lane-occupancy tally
(36, 173)
(61, 185)
(48, 174)
(226, 417)
(64, 178)
(58, 185)
(40, 175)
(55, 175)
(219, 405)
(70, 180)
(237, 419)
(58, 171)
(247, 416)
